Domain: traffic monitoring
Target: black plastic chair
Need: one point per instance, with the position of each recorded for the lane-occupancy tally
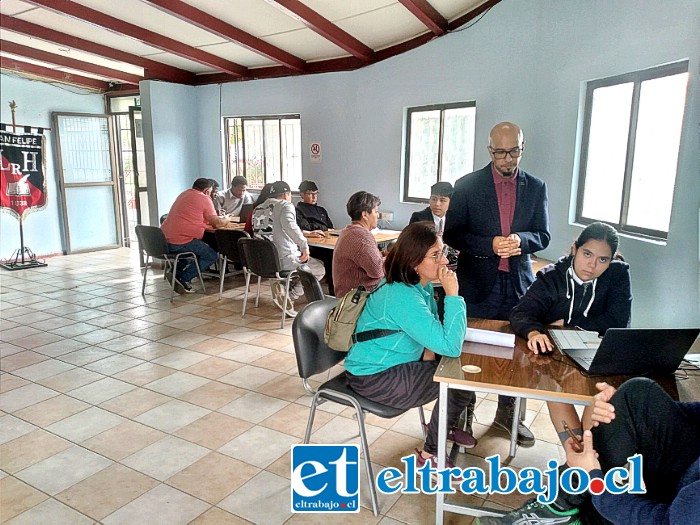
(227, 243)
(259, 257)
(314, 357)
(162, 218)
(312, 287)
(152, 244)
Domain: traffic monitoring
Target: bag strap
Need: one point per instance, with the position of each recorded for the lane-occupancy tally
(368, 335)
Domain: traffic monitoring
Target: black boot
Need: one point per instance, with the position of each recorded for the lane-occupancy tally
(504, 421)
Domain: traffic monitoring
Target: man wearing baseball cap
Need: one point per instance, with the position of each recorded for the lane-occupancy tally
(275, 220)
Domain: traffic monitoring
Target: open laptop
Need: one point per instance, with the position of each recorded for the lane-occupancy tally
(245, 211)
(631, 351)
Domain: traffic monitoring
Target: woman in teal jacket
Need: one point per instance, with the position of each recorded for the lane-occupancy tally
(397, 369)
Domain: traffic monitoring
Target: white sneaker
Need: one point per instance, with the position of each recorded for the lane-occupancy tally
(277, 294)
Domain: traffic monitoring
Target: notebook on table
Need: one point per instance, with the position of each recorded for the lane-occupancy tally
(626, 351)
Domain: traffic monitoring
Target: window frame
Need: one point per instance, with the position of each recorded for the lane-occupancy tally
(228, 146)
(407, 149)
(636, 78)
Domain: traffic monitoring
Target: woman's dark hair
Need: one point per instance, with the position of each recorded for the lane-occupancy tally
(359, 202)
(408, 252)
(599, 231)
(264, 194)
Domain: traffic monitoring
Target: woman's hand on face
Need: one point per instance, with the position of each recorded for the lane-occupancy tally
(538, 342)
(448, 279)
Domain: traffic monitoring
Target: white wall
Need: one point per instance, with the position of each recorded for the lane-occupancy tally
(36, 101)
(525, 62)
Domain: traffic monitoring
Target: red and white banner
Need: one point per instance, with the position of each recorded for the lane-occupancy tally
(22, 173)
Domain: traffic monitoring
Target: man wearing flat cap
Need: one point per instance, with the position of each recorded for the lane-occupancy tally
(440, 195)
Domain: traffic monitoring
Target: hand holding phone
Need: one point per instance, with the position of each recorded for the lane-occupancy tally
(577, 440)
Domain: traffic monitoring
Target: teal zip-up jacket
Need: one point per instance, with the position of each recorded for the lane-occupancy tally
(413, 310)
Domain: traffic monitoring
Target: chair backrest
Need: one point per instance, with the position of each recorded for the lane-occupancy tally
(260, 256)
(313, 356)
(162, 218)
(152, 241)
(312, 288)
(227, 243)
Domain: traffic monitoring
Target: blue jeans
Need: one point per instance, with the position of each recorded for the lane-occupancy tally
(186, 270)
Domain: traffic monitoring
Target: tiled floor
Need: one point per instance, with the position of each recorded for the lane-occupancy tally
(123, 409)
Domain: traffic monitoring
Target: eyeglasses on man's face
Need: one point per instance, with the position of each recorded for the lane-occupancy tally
(501, 154)
(438, 255)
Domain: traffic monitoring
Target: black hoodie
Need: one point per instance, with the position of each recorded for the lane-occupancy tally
(606, 303)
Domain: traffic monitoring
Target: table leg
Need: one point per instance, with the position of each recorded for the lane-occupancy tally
(514, 427)
(442, 450)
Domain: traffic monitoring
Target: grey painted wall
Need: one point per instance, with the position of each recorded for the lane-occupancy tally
(43, 230)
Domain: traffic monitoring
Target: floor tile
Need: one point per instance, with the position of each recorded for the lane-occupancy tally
(213, 477)
(52, 410)
(157, 332)
(9, 382)
(285, 387)
(162, 504)
(247, 446)
(213, 395)
(60, 471)
(18, 333)
(213, 367)
(180, 359)
(84, 425)
(246, 353)
(292, 420)
(66, 346)
(263, 499)
(184, 339)
(113, 364)
(177, 384)
(342, 430)
(172, 415)
(34, 340)
(100, 391)
(250, 377)
(20, 360)
(98, 336)
(12, 428)
(144, 374)
(135, 402)
(17, 497)
(42, 370)
(24, 396)
(213, 430)
(253, 407)
(165, 458)
(123, 343)
(216, 516)
(51, 511)
(105, 492)
(75, 329)
(123, 440)
(29, 449)
(151, 351)
(86, 355)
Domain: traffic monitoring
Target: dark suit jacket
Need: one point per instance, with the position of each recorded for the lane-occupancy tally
(423, 215)
(474, 221)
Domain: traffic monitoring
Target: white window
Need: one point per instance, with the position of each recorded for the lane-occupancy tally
(264, 149)
(629, 149)
(439, 147)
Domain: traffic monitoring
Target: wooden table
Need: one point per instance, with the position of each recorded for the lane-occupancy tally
(550, 378)
(329, 241)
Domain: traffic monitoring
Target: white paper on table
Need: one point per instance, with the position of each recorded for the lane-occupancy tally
(693, 359)
(489, 343)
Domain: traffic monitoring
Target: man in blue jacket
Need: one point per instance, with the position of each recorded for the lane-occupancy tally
(497, 218)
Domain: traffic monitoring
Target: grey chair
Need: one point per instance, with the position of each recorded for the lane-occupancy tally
(227, 244)
(260, 258)
(153, 245)
(312, 287)
(314, 357)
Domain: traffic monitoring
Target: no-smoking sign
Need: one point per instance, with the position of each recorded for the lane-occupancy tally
(315, 152)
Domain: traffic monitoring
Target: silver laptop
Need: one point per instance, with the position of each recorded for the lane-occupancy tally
(630, 351)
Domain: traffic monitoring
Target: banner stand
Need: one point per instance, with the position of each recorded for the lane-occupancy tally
(23, 257)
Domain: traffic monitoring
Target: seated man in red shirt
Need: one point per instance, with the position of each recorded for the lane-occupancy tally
(190, 215)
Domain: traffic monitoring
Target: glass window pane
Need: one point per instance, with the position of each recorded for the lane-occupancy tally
(272, 150)
(91, 226)
(458, 143)
(291, 152)
(424, 148)
(607, 151)
(253, 136)
(661, 105)
(84, 149)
